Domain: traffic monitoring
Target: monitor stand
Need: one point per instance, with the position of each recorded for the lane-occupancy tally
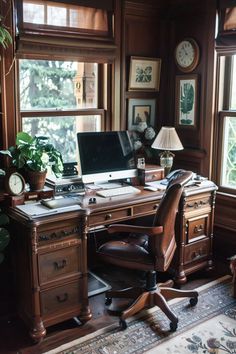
(108, 185)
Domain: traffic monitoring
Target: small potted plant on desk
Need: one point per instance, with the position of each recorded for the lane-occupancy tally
(33, 157)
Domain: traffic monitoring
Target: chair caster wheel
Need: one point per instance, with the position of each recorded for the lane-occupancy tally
(123, 324)
(108, 301)
(173, 326)
(193, 301)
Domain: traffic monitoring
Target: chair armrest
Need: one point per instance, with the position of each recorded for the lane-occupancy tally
(153, 230)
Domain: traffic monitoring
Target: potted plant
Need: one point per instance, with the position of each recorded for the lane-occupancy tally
(5, 37)
(34, 157)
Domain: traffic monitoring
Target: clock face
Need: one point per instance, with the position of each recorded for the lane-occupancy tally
(16, 184)
(187, 55)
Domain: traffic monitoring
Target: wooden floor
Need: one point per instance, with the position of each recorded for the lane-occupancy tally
(14, 337)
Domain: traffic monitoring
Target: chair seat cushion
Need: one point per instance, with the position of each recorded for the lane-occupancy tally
(132, 250)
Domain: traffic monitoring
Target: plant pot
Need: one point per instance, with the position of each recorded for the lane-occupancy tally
(36, 180)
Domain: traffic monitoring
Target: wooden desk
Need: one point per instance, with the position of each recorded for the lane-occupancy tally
(194, 224)
(50, 253)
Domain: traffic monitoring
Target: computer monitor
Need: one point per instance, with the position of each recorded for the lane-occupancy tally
(105, 156)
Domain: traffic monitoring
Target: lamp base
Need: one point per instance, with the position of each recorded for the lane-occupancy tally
(166, 161)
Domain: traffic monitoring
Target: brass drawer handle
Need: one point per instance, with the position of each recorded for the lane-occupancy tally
(155, 206)
(196, 254)
(108, 216)
(196, 205)
(198, 229)
(60, 265)
(154, 176)
(62, 299)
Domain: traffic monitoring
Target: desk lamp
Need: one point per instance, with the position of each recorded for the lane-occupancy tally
(167, 139)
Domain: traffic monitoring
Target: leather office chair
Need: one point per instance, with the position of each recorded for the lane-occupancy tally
(149, 249)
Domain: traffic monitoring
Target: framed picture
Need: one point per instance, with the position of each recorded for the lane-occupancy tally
(141, 110)
(186, 100)
(144, 74)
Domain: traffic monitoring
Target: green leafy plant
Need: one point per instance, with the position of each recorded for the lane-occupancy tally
(5, 37)
(35, 154)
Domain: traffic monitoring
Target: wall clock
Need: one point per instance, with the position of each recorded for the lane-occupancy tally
(14, 183)
(187, 55)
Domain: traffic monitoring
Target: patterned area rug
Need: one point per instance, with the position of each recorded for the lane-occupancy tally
(209, 327)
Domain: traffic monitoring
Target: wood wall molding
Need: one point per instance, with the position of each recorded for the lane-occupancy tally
(143, 8)
(225, 211)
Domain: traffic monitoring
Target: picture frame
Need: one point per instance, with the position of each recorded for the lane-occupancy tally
(186, 100)
(144, 74)
(141, 110)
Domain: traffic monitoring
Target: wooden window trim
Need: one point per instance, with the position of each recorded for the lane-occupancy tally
(221, 116)
(63, 113)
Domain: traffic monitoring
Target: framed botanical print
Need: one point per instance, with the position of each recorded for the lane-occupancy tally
(144, 74)
(141, 110)
(186, 100)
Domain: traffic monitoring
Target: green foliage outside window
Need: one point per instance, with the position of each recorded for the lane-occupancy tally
(230, 152)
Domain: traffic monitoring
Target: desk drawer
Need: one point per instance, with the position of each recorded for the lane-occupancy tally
(197, 228)
(198, 203)
(196, 251)
(109, 216)
(61, 298)
(59, 263)
(146, 208)
(53, 234)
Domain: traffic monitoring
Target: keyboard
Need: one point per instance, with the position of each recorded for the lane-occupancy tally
(106, 193)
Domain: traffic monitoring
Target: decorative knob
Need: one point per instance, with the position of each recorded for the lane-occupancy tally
(108, 216)
(198, 228)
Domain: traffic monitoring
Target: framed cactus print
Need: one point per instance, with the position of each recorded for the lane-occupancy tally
(186, 100)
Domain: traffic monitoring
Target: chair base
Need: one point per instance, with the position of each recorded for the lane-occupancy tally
(147, 299)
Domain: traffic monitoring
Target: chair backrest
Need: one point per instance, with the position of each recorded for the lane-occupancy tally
(163, 246)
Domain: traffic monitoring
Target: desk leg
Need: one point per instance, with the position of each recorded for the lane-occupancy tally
(180, 278)
(38, 331)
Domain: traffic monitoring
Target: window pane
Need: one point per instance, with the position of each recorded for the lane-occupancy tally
(60, 85)
(230, 18)
(33, 13)
(233, 84)
(62, 131)
(65, 15)
(228, 175)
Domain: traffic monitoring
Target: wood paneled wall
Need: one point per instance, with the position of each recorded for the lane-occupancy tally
(197, 21)
(152, 28)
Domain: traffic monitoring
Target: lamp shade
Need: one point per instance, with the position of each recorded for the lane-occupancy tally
(167, 139)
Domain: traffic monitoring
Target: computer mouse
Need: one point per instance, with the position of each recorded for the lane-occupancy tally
(149, 188)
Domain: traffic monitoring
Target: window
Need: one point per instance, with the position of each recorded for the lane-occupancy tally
(59, 99)
(66, 17)
(227, 126)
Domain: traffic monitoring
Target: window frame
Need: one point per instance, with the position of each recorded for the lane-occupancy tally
(224, 70)
(221, 116)
(101, 110)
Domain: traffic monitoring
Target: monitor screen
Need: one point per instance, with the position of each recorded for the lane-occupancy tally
(105, 156)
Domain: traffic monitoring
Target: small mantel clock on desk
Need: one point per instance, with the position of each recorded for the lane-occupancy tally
(13, 190)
